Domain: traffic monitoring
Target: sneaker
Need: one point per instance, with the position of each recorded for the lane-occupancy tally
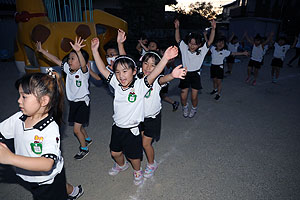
(228, 72)
(185, 110)
(175, 105)
(192, 112)
(88, 142)
(116, 169)
(247, 80)
(150, 169)
(254, 83)
(81, 154)
(138, 177)
(78, 195)
(217, 97)
(213, 92)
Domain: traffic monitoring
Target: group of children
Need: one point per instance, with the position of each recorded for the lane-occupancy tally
(136, 106)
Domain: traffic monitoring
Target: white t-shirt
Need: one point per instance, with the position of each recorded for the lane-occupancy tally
(129, 103)
(77, 85)
(233, 47)
(43, 139)
(257, 53)
(153, 100)
(280, 51)
(192, 61)
(217, 57)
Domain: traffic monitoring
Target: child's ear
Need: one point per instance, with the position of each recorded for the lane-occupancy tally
(45, 100)
(134, 72)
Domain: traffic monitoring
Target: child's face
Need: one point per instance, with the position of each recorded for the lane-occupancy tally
(28, 103)
(152, 46)
(281, 42)
(234, 41)
(74, 61)
(193, 46)
(148, 66)
(220, 44)
(124, 75)
(111, 55)
(257, 42)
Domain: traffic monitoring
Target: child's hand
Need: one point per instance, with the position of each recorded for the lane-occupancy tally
(213, 24)
(179, 72)
(176, 23)
(95, 44)
(121, 36)
(38, 45)
(171, 52)
(246, 53)
(5, 154)
(77, 44)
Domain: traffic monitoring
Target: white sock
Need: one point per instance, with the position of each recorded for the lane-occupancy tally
(75, 191)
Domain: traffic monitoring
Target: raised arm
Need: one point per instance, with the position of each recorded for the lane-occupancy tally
(295, 42)
(212, 32)
(92, 73)
(177, 31)
(170, 53)
(205, 36)
(120, 40)
(245, 53)
(77, 46)
(47, 54)
(231, 37)
(269, 39)
(28, 163)
(177, 72)
(99, 62)
(250, 40)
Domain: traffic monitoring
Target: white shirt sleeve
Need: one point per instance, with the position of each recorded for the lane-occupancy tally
(51, 142)
(226, 53)
(7, 127)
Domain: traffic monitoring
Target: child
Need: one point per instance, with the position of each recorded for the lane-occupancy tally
(151, 46)
(35, 130)
(256, 55)
(279, 54)
(128, 108)
(142, 41)
(77, 91)
(152, 121)
(193, 52)
(233, 48)
(297, 55)
(218, 54)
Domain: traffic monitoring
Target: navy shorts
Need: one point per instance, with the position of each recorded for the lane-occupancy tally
(230, 59)
(164, 90)
(123, 140)
(151, 127)
(192, 79)
(255, 64)
(79, 112)
(277, 62)
(217, 71)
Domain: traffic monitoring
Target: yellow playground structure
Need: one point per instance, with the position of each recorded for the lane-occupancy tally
(55, 24)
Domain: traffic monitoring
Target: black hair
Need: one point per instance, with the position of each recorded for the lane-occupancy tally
(156, 42)
(220, 39)
(84, 54)
(125, 61)
(111, 45)
(234, 38)
(151, 54)
(258, 37)
(282, 38)
(199, 38)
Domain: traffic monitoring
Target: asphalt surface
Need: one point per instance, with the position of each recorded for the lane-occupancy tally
(245, 146)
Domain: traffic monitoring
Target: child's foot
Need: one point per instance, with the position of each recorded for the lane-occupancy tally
(185, 110)
(82, 153)
(138, 177)
(150, 169)
(79, 193)
(247, 80)
(116, 169)
(213, 92)
(88, 141)
(217, 97)
(254, 83)
(192, 112)
(175, 105)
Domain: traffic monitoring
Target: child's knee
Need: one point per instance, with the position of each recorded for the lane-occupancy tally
(115, 154)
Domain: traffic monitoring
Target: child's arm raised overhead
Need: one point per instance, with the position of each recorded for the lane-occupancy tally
(231, 37)
(120, 40)
(177, 31)
(92, 73)
(170, 53)
(250, 40)
(77, 46)
(177, 72)
(28, 163)
(47, 54)
(99, 62)
(212, 32)
(269, 39)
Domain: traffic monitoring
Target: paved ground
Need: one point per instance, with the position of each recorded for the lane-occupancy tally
(246, 146)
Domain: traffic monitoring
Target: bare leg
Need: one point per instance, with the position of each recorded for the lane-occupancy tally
(79, 134)
(69, 188)
(118, 157)
(148, 148)
(183, 96)
(194, 98)
(215, 83)
(167, 99)
(219, 84)
(136, 164)
(255, 73)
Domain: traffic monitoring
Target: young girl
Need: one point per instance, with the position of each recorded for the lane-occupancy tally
(128, 108)
(233, 48)
(77, 91)
(193, 52)
(278, 57)
(152, 121)
(256, 55)
(35, 131)
(218, 54)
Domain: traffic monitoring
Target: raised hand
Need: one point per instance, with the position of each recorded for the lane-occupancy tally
(78, 44)
(213, 24)
(246, 53)
(179, 72)
(171, 52)
(121, 36)
(176, 23)
(95, 44)
(38, 45)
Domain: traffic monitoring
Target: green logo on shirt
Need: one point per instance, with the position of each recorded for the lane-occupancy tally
(148, 93)
(132, 97)
(36, 147)
(78, 83)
